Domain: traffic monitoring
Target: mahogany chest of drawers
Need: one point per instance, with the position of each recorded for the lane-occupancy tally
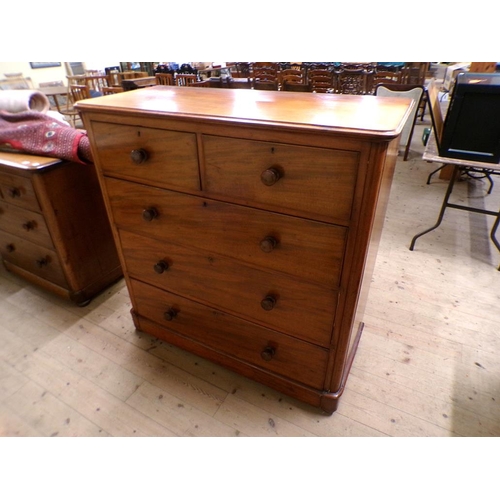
(247, 222)
(54, 229)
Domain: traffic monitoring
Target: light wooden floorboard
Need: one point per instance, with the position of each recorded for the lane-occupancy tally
(427, 363)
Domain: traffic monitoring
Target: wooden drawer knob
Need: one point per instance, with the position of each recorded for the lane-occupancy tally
(160, 267)
(139, 156)
(14, 192)
(268, 302)
(268, 353)
(170, 314)
(268, 243)
(29, 225)
(149, 214)
(271, 176)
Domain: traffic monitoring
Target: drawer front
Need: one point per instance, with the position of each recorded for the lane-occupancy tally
(32, 258)
(303, 248)
(161, 157)
(18, 191)
(317, 183)
(267, 349)
(277, 301)
(25, 223)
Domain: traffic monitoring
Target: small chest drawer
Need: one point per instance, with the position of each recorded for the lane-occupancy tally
(267, 349)
(34, 259)
(278, 301)
(314, 182)
(161, 157)
(18, 191)
(25, 223)
(307, 249)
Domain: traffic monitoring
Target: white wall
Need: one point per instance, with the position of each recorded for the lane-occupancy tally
(46, 74)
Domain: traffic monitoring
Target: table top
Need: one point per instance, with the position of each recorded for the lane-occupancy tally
(378, 117)
(53, 90)
(431, 154)
(26, 161)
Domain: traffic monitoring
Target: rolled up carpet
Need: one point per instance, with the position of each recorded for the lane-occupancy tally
(39, 134)
(17, 101)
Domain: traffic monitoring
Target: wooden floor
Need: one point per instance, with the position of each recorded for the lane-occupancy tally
(427, 363)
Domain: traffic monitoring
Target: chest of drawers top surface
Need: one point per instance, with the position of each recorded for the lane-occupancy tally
(358, 115)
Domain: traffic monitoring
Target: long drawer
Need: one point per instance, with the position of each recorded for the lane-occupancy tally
(314, 182)
(18, 191)
(307, 249)
(275, 300)
(268, 349)
(161, 157)
(25, 223)
(33, 258)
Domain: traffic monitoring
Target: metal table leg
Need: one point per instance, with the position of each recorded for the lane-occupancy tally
(445, 204)
(456, 172)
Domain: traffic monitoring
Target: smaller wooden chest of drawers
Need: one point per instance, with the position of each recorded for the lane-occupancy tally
(54, 229)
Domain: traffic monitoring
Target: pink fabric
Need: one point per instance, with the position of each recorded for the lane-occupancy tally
(37, 133)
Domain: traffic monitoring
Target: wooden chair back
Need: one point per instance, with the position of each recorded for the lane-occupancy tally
(295, 87)
(111, 90)
(265, 75)
(164, 79)
(265, 85)
(382, 77)
(320, 80)
(96, 83)
(409, 91)
(185, 80)
(79, 92)
(414, 72)
(292, 76)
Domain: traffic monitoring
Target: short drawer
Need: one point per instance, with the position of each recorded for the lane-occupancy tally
(33, 258)
(18, 191)
(161, 157)
(27, 224)
(262, 347)
(304, 248)
(274, 300)
(314, 182)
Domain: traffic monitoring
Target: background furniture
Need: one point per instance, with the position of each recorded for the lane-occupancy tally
(185, 79)
(164, 79)
(407, 91)
(248, 232)
(469, 168)
(53, 226)
(320, 80)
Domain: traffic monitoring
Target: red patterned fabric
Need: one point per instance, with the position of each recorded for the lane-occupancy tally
(37, 133)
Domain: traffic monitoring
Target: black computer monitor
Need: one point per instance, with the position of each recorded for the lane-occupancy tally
(472, 125)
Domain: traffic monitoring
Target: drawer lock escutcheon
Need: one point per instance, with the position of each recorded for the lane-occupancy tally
(14, 192)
